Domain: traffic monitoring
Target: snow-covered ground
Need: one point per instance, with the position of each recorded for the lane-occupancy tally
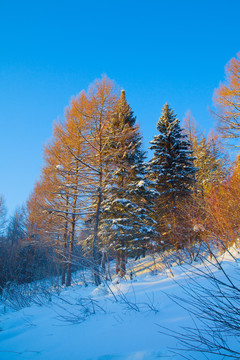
(121, 320)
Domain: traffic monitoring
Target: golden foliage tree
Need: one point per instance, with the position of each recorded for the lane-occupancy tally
(223, 207)
(227, 101)
(75, 172)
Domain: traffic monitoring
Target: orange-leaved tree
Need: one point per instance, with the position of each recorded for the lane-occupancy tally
(75, 171)
(224, 209)
(227, 101)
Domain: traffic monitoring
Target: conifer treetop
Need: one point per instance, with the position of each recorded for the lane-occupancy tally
(166, 119)
(123, 95)
(172, 164)
(123, 112)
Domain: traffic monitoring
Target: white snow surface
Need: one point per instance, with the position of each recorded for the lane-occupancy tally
(118, 321)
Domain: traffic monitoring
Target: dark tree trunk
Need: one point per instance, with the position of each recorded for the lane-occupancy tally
(64, 256)
(96, 257)
(117, 263)
(123, 261)
(70, 249)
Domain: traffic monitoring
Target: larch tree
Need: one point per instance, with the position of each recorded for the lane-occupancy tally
(211, 163)
(96, 116)
(190, 128)
(209, 158)
(223, 207)
(46, 222)
(227, 101)
(55, 206)
(173, 172)
(76, 170)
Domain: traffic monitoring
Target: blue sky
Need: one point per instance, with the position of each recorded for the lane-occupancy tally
(158, 51)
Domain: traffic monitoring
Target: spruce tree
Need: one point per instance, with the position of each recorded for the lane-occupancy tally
(172, 170)
(127, 225)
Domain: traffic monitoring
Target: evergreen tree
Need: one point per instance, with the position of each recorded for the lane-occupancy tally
(172, 170)
(127, 225)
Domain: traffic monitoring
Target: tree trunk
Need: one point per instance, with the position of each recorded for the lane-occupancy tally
(64, 256)
(71, 245)
(123, 261)
(64, 269)
(96, 257)
(117, 263)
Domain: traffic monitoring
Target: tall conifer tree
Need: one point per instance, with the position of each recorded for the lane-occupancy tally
(172, 170)
(127, 225)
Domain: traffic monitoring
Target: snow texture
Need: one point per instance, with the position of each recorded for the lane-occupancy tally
(120, 321)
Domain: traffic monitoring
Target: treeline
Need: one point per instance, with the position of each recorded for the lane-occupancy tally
(21, 261)
(98, 198)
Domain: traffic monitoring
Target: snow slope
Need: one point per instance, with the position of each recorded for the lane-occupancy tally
(121, 320)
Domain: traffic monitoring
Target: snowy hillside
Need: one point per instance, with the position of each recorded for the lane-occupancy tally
(120, 320)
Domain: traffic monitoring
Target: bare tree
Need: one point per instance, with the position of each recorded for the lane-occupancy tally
(3, 216)
(212, 298)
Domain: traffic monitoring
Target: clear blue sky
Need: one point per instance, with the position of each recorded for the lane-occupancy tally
(158, 51)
